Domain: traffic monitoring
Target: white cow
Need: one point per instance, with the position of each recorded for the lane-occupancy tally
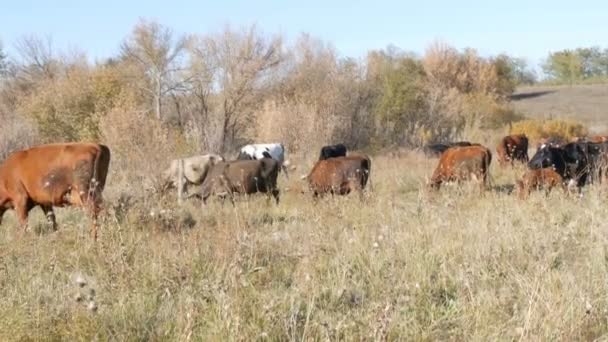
(195, 170)
(275, 151)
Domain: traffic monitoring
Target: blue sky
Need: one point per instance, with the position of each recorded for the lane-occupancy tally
(521, 28)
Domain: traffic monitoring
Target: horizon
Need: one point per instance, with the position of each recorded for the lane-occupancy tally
(353, 28)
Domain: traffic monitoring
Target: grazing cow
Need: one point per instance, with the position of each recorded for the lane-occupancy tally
(332, 151)
(243, 177)
(195, 170)
(537, 179)
(435, 150)
(54, 175)
(275, 151)
(512, 148)
(461, 163)
(571, 161)
(340, 175)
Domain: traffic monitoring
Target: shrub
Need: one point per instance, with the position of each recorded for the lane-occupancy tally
(17, 134)
(141, 147)
(536, 129)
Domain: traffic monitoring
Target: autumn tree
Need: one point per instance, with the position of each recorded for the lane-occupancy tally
(402, 109)
(566, 66)
(157, 52)
(229, 74)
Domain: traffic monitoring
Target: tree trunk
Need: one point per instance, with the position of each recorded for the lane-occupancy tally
(157, 99)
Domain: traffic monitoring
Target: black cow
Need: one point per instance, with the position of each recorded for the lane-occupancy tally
(571, 161)
(332, 151)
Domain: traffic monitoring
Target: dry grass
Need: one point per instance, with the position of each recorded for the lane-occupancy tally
(404, 264)
(587, 104)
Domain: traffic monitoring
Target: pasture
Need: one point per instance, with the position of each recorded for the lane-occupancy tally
(586, 103)
(402, 264)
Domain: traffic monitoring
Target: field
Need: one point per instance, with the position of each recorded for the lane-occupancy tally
(401, 264)
(585, 103)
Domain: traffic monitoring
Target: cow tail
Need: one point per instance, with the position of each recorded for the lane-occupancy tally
(367, 166)
(98, 181)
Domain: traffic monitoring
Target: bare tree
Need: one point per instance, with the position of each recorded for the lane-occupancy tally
(230, 71)
(3, 62)
(36, 57)
(153, 47)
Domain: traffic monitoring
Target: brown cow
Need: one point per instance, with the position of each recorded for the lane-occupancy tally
(340, 175)
(54, 175)
(461, 163)
(242, 176)
(512, 148)
(546, 178)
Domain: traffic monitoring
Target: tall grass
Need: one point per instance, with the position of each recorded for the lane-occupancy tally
(401, 264)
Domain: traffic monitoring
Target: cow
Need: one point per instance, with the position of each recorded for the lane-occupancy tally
(275, 151)
(571, 161)
(194, 171)
(332, 151)
(512, 148)
(435, 150)
(340, 175)
(54, 175)
(242, 177)
(462, 163)
(546, 178)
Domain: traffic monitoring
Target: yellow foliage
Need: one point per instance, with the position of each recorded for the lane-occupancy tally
(536, 129)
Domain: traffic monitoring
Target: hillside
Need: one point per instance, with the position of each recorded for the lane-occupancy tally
(585, 103)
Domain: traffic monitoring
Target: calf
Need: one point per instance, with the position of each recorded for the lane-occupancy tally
(339, 175)
(462, 163)
(545, 178)
(54, 175)
(242, 177)
(332, 151)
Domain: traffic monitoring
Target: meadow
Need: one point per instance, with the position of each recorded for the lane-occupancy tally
(587, 103)
(403, 264)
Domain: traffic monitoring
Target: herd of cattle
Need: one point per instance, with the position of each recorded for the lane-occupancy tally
(556, 162)
(57, 175)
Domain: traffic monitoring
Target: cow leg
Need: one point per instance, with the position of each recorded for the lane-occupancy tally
(285, 170)
(2, 209)
(50, 216)
(275, 194)
(22, 209)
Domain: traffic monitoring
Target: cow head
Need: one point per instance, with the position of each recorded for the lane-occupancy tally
(548, 156)
(542, 158)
